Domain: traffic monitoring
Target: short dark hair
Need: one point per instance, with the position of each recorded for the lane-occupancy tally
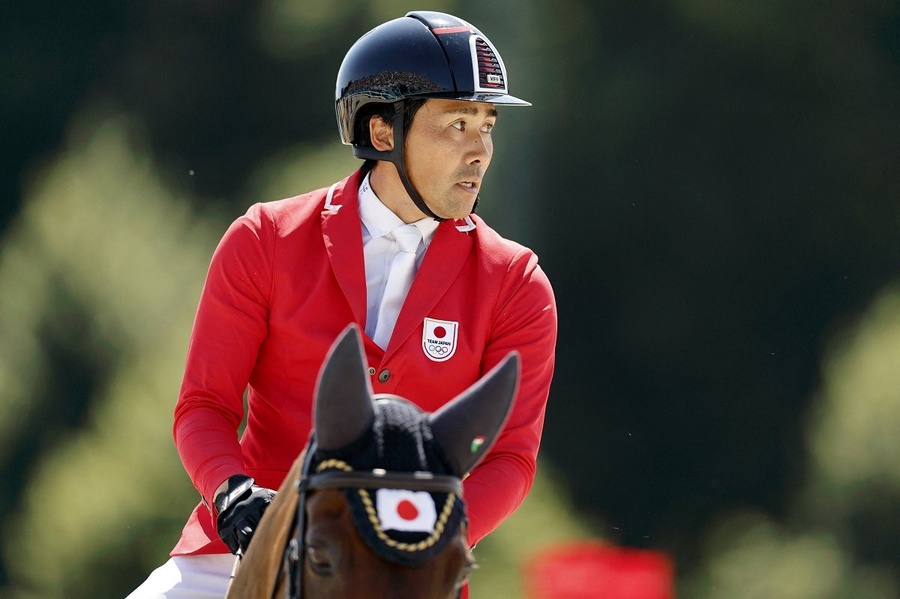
(386, 113)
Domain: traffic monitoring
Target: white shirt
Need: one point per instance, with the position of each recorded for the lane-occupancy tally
(380, 247)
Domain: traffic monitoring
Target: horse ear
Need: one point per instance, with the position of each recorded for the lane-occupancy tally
(466, 427)
(343, 406)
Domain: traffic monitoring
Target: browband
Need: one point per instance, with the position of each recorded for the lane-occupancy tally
(382, 479)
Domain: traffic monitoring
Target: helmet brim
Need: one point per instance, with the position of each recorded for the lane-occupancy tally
(486, 97)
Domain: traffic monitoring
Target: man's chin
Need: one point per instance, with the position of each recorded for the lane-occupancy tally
(461, 211)
(455, 207)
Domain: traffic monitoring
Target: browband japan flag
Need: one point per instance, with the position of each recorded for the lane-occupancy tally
(406, 511)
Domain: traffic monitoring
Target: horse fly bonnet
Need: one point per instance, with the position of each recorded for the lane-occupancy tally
(399, 468)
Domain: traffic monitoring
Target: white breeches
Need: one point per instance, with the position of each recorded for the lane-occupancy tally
(188, 577)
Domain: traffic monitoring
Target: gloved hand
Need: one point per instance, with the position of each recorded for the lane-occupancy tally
(240, 507)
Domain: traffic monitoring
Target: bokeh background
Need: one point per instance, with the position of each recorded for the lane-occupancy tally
(713, 186)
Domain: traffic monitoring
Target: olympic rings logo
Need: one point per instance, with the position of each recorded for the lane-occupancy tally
(438, 350)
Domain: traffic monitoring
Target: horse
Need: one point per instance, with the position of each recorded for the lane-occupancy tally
(373, 505)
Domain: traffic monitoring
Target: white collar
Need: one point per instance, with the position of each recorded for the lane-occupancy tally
(379, 220)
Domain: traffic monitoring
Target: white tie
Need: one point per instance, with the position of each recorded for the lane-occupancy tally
(403, 269)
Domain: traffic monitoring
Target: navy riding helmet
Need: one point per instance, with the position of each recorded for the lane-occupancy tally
(421, 55)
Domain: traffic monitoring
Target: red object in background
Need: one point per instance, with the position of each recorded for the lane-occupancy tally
(594, 570)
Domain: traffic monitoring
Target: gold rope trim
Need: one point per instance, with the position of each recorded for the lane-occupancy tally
(336, 464)
(439, 526)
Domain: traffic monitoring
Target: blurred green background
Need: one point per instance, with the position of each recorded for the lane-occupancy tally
(712, 186)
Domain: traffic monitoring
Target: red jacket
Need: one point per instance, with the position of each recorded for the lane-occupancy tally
(286, 279)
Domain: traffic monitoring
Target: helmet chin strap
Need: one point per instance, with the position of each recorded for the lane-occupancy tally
(395, 156)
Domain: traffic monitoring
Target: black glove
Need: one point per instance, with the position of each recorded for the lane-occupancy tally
(240, 507)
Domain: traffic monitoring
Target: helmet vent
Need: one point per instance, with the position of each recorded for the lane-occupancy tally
(490, 71)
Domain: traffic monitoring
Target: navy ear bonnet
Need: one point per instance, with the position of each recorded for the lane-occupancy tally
(403, 526)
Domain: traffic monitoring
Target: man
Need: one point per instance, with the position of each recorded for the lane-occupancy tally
(417, 98)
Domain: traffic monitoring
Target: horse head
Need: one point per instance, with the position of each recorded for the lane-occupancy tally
(381, 512)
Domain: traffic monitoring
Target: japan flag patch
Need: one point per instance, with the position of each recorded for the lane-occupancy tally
(406, 511)
(439, 338)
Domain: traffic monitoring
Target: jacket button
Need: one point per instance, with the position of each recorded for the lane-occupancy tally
(371, 371)
(384, 375)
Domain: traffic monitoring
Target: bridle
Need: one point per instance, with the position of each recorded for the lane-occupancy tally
(335, 479)
(430, 453)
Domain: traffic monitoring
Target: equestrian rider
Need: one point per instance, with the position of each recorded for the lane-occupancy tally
(417, 100)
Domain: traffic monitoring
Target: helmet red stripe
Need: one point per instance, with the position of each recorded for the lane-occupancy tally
(445, 30)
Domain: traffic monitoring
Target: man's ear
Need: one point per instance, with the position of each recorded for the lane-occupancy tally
(381, 133)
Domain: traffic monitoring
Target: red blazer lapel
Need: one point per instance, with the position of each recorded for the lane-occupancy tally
(342, 233)
(445, 257)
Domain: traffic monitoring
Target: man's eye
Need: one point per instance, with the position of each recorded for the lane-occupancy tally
(461, 125)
